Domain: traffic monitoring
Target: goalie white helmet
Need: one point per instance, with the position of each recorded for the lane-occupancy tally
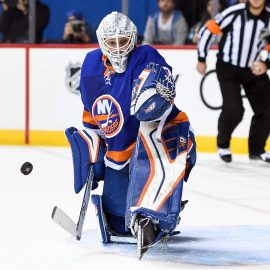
(117, 37)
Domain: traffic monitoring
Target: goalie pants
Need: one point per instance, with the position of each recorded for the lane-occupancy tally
(257, 90)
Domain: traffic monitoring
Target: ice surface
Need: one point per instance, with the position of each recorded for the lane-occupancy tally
(207, 245)
(225, 225)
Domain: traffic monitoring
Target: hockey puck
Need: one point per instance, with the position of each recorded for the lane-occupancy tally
(26, 168)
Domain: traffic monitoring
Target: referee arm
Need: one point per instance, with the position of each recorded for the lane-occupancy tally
(216, 26)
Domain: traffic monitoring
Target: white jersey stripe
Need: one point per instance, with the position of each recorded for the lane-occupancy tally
(246, 44)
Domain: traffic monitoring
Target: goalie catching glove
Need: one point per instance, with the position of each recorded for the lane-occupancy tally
(152, 93)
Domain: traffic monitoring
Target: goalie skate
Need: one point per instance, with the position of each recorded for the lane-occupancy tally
(145, 231)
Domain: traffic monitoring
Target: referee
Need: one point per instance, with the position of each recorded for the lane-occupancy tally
(245, 32)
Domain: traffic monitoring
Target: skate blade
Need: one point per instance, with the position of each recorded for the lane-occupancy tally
(140, 249)
(139, 243)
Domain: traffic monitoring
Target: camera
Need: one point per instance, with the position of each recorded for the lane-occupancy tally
(10, 3)
(77, 27)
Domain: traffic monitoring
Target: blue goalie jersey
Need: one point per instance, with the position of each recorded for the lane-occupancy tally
(106, 96)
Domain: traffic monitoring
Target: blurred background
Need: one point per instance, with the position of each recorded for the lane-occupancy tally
(193, 11)
(44, 42)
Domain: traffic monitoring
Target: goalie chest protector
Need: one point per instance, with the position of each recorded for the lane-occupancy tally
(106, 96)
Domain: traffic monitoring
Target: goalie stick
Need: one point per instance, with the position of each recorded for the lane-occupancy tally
(63, 220)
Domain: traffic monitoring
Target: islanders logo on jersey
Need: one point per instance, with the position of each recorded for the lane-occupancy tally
(108, 115)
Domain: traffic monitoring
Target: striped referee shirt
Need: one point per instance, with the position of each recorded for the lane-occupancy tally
(241, 42)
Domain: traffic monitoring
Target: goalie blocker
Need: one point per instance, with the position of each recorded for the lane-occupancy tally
(88, 149)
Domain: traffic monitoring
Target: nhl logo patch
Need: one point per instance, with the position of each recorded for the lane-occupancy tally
(73, 75)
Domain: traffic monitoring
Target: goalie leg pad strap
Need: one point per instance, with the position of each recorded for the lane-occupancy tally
(157, 173)
(88, 149)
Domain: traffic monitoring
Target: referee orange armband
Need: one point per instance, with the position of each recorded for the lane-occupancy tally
(213, 27)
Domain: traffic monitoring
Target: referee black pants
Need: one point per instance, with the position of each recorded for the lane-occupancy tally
(257, 90)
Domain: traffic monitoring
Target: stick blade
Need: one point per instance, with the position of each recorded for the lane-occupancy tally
(64, 221)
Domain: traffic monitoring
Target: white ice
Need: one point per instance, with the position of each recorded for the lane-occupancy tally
(226, 224)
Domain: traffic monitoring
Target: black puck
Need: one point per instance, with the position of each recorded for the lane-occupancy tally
(26, 168)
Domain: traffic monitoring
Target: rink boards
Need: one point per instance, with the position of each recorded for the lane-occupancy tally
(38, 95)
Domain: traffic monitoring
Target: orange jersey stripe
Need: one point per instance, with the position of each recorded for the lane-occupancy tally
(120, 156)
(213, 27)
(87, 118)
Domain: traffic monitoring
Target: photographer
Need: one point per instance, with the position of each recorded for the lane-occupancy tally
(75, 30)
(14, 21)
